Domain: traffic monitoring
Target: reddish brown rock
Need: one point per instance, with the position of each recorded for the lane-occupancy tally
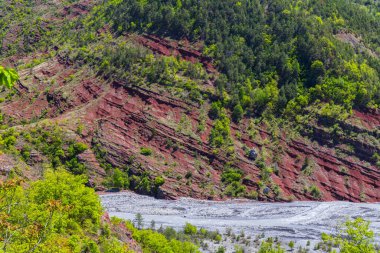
(123, 119)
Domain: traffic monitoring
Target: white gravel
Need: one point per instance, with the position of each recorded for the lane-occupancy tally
(297, 221)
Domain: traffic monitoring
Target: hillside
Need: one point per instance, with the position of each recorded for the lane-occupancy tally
(270, 100)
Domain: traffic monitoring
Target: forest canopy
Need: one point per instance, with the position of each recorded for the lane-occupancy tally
(275, 55)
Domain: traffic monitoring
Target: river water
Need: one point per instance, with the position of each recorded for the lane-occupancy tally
(296, 221)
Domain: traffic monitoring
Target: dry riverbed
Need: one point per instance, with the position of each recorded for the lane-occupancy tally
(296, 221)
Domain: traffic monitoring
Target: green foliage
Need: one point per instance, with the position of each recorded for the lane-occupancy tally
(354, 236)
(144, 183)
(59, 150)
(146, 151)
(7, 77)
(269, 247)
(56, 214)
(141, 68)
(315, 192)
(155, 242)
(139, 220)
(237, 113)
(231, 175)
(269, 54)
(215, 111)
(220, 133)
(221, 249)
(120, 179)
(158, 181)
(239, 249)
(376, 158)
(232, 179)
(190, 229)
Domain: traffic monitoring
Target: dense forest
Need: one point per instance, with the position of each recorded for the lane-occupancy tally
(273, 55)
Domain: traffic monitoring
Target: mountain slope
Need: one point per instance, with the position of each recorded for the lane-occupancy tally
(179, 112)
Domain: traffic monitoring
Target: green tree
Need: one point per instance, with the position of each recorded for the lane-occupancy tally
(190, 229)
(215, 110)
(8, 77)
(237, 113)
(354, 236)
(120, 179)
(139, 220)
(48, 214)
(220, 133)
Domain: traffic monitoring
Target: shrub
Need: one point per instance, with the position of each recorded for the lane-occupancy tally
(55, 214)
(353, 236)
(231, 175)
(269, 247)
(221, 249)
(120, 179)
(232, 179)
(220, 133)
(8, 77)
(190, 229)
(158, 181)
(215, 110)
(152, 241)
(188, 175)
(146, 151)
(315, 192)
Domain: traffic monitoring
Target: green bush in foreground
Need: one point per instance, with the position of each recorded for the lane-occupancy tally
(353, 237)
(60, 214)
(7, 77)
(155, 242)
(56, 214)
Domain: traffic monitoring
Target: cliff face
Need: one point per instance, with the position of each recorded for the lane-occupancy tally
(122, 119)
(316, 161)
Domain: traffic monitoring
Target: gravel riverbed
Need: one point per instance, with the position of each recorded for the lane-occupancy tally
(295, 221)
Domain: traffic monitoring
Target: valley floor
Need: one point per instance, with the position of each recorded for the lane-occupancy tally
(296, 221)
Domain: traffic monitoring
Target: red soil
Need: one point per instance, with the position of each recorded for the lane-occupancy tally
(124, 119)
(170, 47)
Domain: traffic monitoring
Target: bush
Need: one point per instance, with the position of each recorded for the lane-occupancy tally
(315, 192)
(220, 133)
(353, 236)
(231, 175)
(221, 249)
(232, 179)
(158, 181)
(190, 229)
(152, 241)
(120, 179)
(56, 214)
(269, 247)
(146, 151)
(188, 175)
